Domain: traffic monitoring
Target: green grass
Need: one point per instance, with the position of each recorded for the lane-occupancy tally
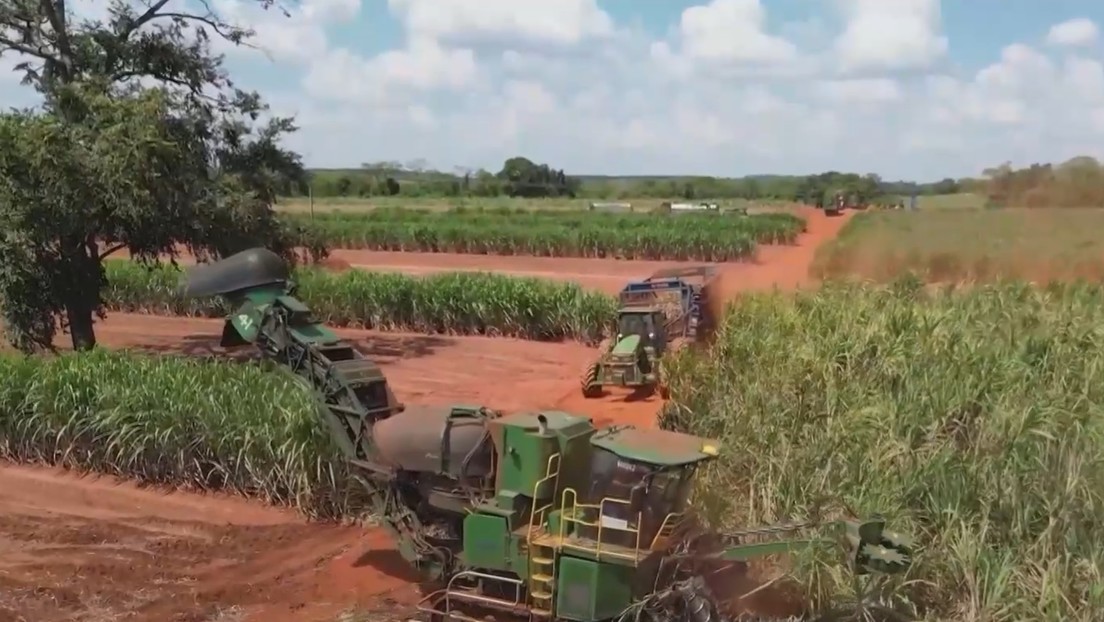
(972, 419)
(186, 423)
(968, 245)
(468, 303)
(714, 237)
(962, 200)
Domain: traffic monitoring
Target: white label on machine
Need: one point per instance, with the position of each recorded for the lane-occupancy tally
(614, 523)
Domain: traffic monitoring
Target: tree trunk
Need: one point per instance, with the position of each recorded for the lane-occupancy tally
(79, 314)
(83, 292)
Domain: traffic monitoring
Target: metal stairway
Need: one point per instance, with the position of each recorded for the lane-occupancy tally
(542, 553)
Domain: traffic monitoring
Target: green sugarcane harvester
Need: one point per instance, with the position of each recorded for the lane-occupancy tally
(656, 316)
(536, 514)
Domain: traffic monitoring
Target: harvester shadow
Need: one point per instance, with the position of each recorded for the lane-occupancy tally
(378, 348)
(389, 348)
(389, 562)
(198, 346)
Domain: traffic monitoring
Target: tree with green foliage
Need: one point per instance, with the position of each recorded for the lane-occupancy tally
(141, 142)
(524, 178)
(368, 182)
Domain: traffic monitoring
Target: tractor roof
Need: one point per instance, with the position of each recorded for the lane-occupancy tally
(659, 447)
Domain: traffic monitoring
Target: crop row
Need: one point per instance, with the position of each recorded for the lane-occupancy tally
(469, 303)
(699, 237)
(176, 421)
(973, 420)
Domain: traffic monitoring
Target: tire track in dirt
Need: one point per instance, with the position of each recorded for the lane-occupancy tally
(96, 549)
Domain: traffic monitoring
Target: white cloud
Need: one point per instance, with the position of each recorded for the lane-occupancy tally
(729, 40)
(731, 31)
(858, 91)
(559, 23)
(298, 39)
(728, 87)
(881, 35)
(392, 76)
(1076, 32)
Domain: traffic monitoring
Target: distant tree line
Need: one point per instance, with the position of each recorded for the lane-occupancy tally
(520, 176)
(1078, 182)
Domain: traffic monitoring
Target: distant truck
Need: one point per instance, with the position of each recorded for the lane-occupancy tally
(668, 207)
(657, 315)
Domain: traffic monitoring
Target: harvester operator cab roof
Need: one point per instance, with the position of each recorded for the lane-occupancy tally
(639, 478)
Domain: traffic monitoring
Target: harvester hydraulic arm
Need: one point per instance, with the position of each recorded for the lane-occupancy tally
(870, 547)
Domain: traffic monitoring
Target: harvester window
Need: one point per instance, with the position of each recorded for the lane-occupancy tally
(653, 493)
(666, 491)
(613, 479)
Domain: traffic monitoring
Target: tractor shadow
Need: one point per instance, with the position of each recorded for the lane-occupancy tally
(628, 396)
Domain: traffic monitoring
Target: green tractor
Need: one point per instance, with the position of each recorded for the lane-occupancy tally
(657, 316)
(538, 514)
(836, 205)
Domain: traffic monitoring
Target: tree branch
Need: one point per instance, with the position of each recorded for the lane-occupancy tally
(112, 250)
(150, 14)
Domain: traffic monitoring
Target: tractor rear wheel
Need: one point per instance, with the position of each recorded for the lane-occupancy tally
(589, 382)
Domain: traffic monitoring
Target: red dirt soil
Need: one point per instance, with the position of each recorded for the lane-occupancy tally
(94, 549)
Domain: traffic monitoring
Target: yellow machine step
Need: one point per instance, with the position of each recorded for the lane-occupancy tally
(542, 580)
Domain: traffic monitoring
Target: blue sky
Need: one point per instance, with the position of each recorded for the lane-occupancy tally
(902, 88)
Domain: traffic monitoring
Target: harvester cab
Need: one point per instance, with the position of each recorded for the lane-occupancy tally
(657, 315)
(640, 483)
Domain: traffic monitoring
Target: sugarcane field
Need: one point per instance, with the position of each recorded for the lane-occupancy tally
(245, 379)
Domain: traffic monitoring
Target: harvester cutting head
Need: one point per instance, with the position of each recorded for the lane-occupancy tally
(249, 269)
(256, 283)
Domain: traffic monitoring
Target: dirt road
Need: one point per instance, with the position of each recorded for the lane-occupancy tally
(97, 550)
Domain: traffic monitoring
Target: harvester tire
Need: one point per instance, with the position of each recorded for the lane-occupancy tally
(589, 382)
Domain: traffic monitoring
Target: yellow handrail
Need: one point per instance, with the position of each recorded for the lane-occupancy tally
(536, 517)
(573, 517)
(671, 519)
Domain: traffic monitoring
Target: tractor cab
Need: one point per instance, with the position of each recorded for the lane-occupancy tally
(646, 323)
(638, 489)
